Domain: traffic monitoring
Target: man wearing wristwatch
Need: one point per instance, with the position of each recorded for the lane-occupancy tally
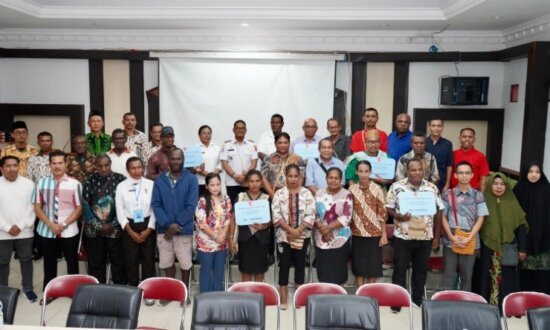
(57, 205)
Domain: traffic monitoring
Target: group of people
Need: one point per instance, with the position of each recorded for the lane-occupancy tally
(129, 196)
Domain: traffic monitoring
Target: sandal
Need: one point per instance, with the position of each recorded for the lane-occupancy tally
(48, 301)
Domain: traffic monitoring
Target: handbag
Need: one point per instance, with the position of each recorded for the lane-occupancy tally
(509, 254)
(469, 248)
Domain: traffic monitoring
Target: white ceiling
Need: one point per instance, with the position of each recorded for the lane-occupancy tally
(505, 19)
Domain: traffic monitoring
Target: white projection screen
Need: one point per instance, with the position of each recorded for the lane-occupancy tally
(216, 92)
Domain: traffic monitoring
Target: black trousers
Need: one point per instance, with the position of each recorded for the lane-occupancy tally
(289, 257)
(417, 253)
(50, 246)
(102, 250)
(132, 253)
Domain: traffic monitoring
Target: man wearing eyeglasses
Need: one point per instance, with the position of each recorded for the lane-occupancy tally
(20, 148)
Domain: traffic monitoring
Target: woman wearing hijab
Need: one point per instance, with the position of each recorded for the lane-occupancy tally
(503, 236)
(533, 194)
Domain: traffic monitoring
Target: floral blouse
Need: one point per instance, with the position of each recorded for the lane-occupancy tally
(274, 165)
(369, 211)
(218, 219)
(330, 208)
(294, 209)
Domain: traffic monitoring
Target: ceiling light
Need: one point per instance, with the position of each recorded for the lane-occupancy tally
(245, 25)
(498, 17)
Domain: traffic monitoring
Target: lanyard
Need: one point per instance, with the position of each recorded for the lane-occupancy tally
(137, 191)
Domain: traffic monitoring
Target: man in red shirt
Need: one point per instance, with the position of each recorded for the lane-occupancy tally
(468, 153)
(370, 118)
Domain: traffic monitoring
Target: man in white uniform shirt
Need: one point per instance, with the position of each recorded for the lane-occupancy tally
(238, 156)
(120, 153)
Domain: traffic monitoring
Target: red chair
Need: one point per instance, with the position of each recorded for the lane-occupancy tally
(270, 293)
(388, 295)
(63, 286)
(517, 303)
(306, 290)
(457, 295)
(165, 288)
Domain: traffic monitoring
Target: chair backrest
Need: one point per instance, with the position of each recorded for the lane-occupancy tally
(457, 295)
(64, 286)
(306, 290)
(228, 310)
(9, 297)
(270, 293)
(387, 294)
(164, 288)
(517, 303)
(342, 312)
(452, 315)
(105, 306)
(539, 318)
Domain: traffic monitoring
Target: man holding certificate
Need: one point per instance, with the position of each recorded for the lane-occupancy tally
(415, 206)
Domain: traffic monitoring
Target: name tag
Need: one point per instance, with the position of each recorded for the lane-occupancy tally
(137, 215)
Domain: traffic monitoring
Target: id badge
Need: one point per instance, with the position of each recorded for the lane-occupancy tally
(137, 215)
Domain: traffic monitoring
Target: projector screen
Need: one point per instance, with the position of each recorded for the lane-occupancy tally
(216, 92)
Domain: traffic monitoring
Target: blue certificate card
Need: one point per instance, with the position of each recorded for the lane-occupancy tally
(251, 212)
(417, 203)
(306, 151)
(193, 156)
(382, 167)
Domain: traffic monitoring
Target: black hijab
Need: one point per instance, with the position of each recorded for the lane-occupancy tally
(534, 198)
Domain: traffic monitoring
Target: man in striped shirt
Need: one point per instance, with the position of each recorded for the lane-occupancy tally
(57, 204)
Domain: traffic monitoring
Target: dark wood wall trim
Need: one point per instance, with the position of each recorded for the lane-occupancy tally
(137, 93)
(493, 117)
(95, 68)
(75, 54)
(358, 92)
(75, 112)
(536, 104)
(400, 88)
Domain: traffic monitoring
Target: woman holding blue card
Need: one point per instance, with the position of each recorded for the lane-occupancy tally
(253, 240)
(213, 216)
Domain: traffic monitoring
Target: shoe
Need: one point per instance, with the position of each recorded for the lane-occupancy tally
(31, 296)
(419, 306)
(164, 302)
(149, 302)
(188, 301)
(48, 301)
(284, 307)
(395, 310)
(37, 256)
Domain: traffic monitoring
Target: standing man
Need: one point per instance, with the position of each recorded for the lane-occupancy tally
(372, 141)
(414, 237)
(120, 152)
(152, 146)
(370, 119)
(136, 140)
(158, 162)
(102, 229)
(16, 224)
(56, 201)
(175, 195)
(238, 156)
(418, 151)
(399, 141)
(340, 142)
(310, 137)
(442, 149)
(266, 142)
(20, 148)
(316, 169)
(476, 158)
(80, 163)
(39, 164)
(97, 141)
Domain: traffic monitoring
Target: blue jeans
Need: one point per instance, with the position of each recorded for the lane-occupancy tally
(212, 270)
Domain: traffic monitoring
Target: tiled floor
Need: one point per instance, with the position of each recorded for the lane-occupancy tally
(168, 316)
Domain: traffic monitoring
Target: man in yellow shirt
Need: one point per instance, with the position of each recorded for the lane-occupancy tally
(20, 148)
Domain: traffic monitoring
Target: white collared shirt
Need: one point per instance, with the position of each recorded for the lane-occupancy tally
(118, 163)
(239, 156)
(131, 195)
(211, 159)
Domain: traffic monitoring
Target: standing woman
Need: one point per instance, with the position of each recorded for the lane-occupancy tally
(504, 228)
(273, 168)
(210, 156)
(368, 226)
(293, 214)
(254, 239)
(213, 216)
(334, 208)
(533, 194)
(133, 210)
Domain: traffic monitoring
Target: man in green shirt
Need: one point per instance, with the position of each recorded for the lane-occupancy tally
(97, 141)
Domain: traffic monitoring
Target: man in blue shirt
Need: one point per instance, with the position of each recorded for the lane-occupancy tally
(316, 169)
(442, 149)
(399, 141)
